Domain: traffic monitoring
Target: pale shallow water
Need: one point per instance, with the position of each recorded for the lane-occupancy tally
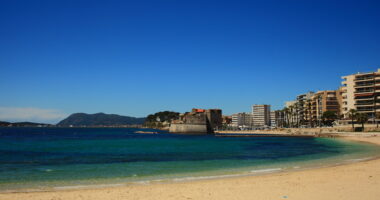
(64, 158)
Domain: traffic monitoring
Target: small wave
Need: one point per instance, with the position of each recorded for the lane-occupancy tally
(87, 186)
(266, 170)
(44, 170)
(360, 159)
(142, 182)
(191, 178)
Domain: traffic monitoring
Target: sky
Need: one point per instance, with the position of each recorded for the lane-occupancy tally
(135, 58)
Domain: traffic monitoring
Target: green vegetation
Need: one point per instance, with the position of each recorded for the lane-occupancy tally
(361, 118)
(328, 118)
(161, 119)
(23, 124)
(352, 115)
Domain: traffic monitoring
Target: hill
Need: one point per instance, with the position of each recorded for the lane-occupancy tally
(99, 119)
(23, 124)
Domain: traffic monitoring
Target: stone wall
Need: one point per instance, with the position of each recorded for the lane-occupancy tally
(188, 128)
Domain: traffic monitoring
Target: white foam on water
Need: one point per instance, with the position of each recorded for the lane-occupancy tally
(142, 182)
(258, 171)
(191, 178)
(360, 159)
(87, 186)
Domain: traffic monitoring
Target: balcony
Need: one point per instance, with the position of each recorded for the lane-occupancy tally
(365, 111)
(364, 91)
(364, 98)
(364, 79)
(364, 102)
(364, 85)
(364, 105)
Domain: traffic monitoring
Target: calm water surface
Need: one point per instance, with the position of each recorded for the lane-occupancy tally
(57, 157)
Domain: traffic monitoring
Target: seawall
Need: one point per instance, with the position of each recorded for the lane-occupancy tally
(188, 128)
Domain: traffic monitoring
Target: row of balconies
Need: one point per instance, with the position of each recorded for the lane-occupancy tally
(365, 89)
(364, 77)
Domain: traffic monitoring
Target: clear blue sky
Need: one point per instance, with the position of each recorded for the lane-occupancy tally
(139, 57)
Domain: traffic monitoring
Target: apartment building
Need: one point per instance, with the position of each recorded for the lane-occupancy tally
(360, 91)
(302, 101)
(261, 115)
(273, 119)
(242, 120)
(322, 101)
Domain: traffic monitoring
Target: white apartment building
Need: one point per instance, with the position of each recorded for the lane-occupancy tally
(273, 119)
(361, 92)
(242, 120)
(261, 115)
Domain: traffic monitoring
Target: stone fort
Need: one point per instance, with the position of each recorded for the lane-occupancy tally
(198, 121)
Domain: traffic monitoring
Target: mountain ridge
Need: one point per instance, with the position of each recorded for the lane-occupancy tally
(99, 119)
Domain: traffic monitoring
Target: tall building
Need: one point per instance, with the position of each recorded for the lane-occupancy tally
(242, 119)
(322, 101)
(360, 91)
(278, 117)
(261, 115)
(302, 105)
(273, 119)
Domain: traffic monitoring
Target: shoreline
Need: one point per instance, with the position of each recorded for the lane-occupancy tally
(257, 173)
(289, 181)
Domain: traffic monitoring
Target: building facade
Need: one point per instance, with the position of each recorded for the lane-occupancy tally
(261, 115)
(273, 119)
(242, 120)
(322, 101)
(360, 92)
(302, 105)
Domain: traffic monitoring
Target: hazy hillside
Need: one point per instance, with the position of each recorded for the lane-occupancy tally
(99, 119)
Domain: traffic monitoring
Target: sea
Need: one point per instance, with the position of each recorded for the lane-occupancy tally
(40, 159)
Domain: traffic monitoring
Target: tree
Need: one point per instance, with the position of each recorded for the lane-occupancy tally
(329, 117)
(362, 118)
(377, 119)
(286, 115)
(352, 115)
(297, 107)
(308, 101)
(291, 113)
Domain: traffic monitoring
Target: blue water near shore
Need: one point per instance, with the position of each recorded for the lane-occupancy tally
(45, 158)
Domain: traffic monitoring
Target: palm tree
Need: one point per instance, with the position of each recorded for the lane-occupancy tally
(362, 118)
(291, 113)
(308, 101)
(286, 115)
(352, 115)
(297, 107)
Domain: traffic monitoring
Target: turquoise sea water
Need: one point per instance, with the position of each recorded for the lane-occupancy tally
(48, 158)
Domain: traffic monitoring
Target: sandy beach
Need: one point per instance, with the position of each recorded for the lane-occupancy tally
(352, 181)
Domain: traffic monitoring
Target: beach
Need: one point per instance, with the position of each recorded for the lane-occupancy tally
(359, 180)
